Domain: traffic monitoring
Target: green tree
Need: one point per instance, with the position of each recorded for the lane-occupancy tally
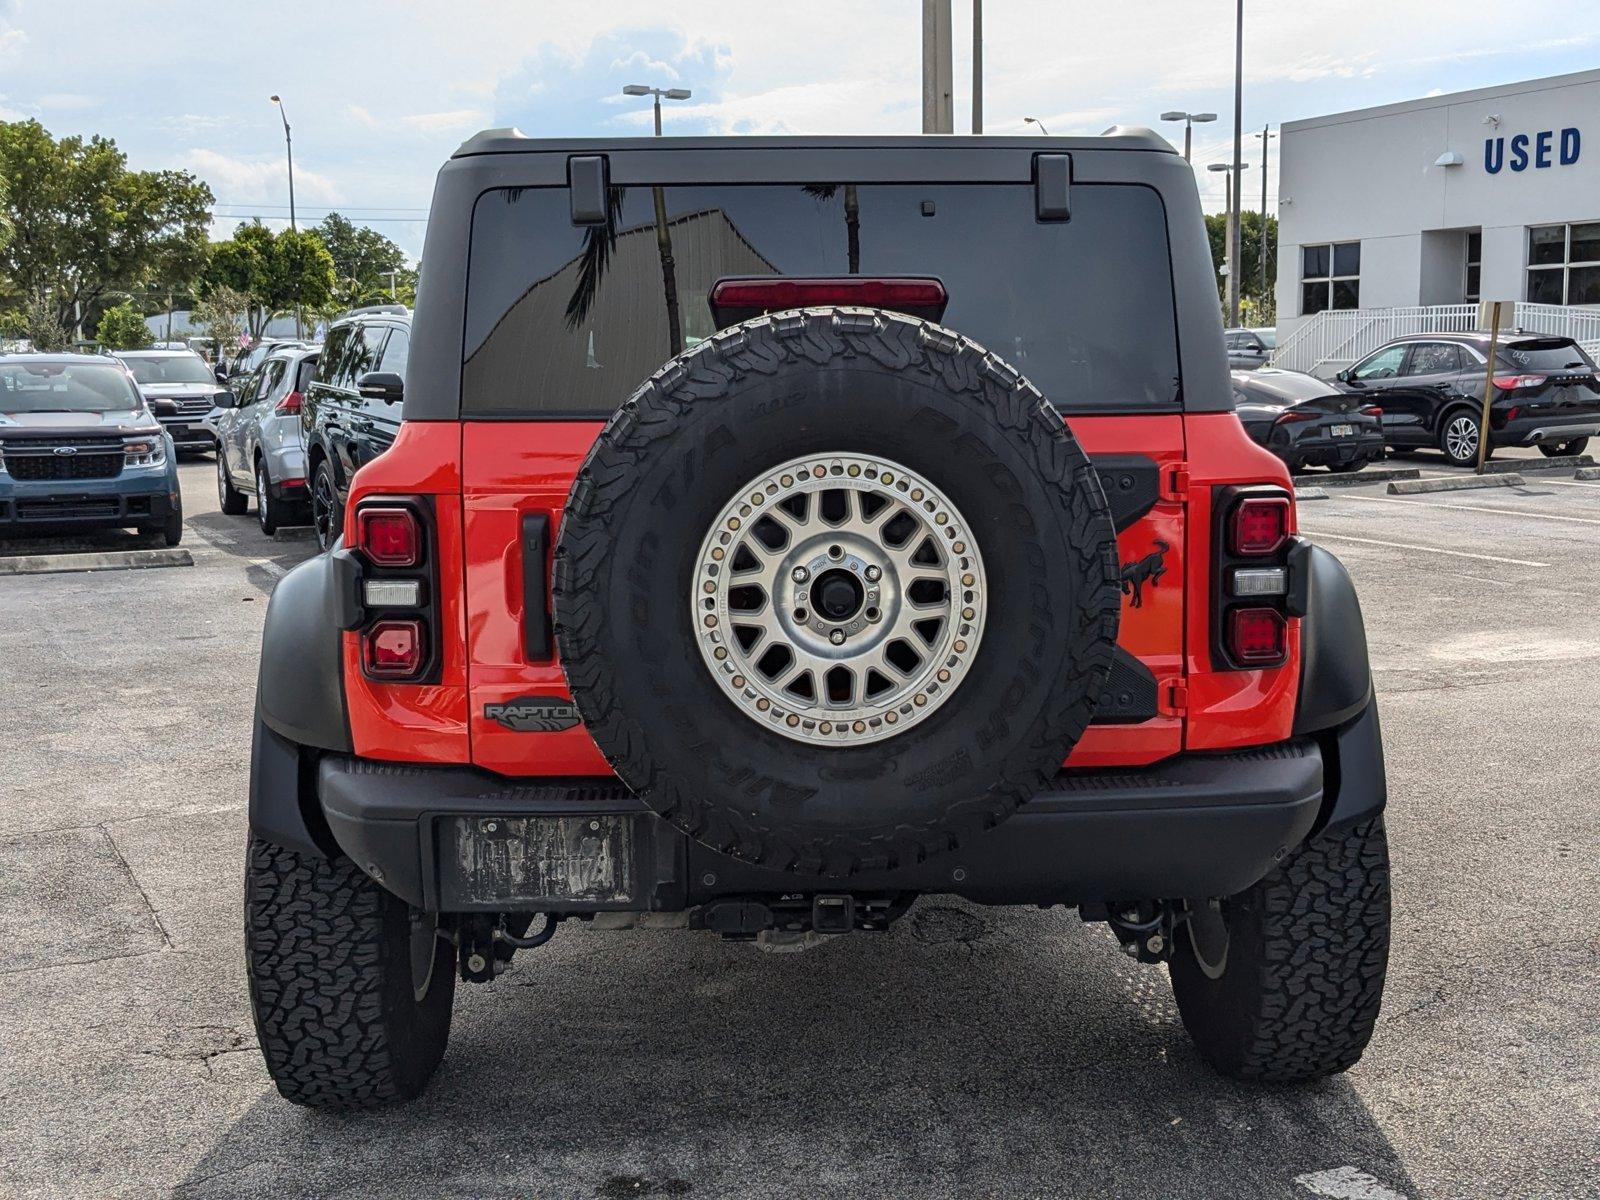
(277, 272)
(362, 262)
(1251, 296)
(122, 327)
(222, 316)
(81, 223)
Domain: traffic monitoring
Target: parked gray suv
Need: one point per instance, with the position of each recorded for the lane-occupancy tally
(259, 440)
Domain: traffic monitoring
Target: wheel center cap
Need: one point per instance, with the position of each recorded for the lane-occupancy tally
(837, 595)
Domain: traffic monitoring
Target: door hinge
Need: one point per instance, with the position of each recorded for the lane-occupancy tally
(1175, 482)
(1172, 698)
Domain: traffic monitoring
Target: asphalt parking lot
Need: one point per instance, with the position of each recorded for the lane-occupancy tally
(968, 1052)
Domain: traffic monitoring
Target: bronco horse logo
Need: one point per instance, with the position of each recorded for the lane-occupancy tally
(1148, 569)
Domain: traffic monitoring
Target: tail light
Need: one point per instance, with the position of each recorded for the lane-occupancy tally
(1372, 410)
(1253, 578)
(1295, 415)
(391, 538)
(289, 405)
(735, 300)
(1259, 526)
(1510, 383)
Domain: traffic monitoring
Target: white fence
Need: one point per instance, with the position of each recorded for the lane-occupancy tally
(1333, 340)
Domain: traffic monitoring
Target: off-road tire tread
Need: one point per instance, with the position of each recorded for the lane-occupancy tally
(704, 375)
(316, 961)
(1318, 927)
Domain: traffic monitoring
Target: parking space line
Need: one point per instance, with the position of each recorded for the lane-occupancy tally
(1510, 512)
(1345, 537)
(1568, 483)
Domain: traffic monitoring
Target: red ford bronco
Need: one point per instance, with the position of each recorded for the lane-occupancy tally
(781, 530)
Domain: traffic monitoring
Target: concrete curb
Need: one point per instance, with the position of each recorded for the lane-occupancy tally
(1310, 493)
(1587, 473)
(100, 560)
(1357, 478)
(1566, 462)
(1453, 483)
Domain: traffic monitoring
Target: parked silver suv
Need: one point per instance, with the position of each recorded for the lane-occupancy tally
(259, 439)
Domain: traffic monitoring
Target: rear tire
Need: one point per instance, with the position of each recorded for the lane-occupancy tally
(1576, 446)
(266, 506)
(1295, 993)
(340, 1023)
(229, 498)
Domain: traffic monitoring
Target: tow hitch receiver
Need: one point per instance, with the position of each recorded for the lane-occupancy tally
(833, 914)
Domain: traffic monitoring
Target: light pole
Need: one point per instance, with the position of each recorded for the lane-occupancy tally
(1266, 135)
(977, 66)
(639, 89)
(288, 147)
(1232, 255)
(1036, 121)
(1238, 154)
(1190, 120)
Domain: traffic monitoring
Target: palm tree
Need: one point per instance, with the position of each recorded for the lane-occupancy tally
(852, 217)
(669, 271)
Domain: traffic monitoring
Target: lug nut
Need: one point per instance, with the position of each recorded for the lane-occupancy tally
(837, 637)
(874, 574)
(800, 575)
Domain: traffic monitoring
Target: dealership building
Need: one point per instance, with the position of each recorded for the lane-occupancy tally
(1401, 218)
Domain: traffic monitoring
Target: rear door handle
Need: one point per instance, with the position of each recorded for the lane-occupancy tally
(536, 634)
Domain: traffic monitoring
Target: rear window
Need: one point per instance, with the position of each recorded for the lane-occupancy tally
(1550, 354)
(564, 321)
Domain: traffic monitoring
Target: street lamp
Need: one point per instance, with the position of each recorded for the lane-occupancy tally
(288, 147)
(1190, 120)
(639, 89)
(1036, 121)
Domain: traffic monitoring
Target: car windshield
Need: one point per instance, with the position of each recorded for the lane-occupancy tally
(1268, 337)
(1550, 355)
(93, 386)
(180, 368)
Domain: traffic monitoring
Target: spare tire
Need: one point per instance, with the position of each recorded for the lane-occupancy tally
(835, 591)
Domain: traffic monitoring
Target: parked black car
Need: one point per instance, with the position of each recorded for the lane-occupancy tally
(1307, 421)
(1430, 387)
(351, 412)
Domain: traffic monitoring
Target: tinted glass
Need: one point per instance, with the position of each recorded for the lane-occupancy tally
(1548, 355)
(1544, 287)
(332, 351)
(94, 385)
(395, 351)
(1385, 364)
(1314, 262)
(1313, 298)
(355, 357)
(1585, 246)
(1583, 285)
(563, 320)
(304, 373)
(1474, 247)
(1547, 244)
(1268, 338)
(180, 368)
(1346, 293)
(1347, 258)
(1433, 358)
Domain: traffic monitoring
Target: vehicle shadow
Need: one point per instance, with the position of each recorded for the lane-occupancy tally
(966, 1052)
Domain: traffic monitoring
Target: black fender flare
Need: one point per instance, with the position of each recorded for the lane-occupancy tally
(1335, 674)
(300, 687)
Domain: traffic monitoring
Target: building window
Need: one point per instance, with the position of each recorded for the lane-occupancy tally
(1564, 264)
(1474, 267)
(1330, 276)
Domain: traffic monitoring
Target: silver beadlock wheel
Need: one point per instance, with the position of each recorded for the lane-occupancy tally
(839, 598)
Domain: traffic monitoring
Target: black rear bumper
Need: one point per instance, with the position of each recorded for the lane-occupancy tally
(1197, 825)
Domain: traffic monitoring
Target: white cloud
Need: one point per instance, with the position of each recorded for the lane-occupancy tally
(428, 124)
(246, 181)
(67, 101)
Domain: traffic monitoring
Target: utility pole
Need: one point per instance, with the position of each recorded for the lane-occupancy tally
(977, 66)
(1238, 155)
(288, 146)
(938, 110)
(1266, 135)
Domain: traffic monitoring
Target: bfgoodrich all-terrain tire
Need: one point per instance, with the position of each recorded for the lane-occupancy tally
(805, 430)
(1295, 993)
(341, 1019)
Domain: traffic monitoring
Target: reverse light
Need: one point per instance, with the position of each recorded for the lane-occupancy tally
(392, 593)
(389, 537)
(289, 405)
(1258, 637)
(1260, 581)
(393, 649)
(1510, 383)
(1259, 526)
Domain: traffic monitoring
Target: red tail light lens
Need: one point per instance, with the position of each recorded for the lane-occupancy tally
(1372, 410)
(1510, 383)
(289, 405)
(390, 537)
(393, 649)
(734, 300)
(1294, 416)
(1260, 525)
(1258, 637)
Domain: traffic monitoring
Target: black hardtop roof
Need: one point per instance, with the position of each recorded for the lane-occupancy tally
(1118, 137)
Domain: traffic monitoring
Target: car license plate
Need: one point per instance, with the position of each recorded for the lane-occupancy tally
(578, 858)
(1341, 431)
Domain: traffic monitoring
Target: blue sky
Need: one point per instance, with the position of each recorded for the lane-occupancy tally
(379, 94)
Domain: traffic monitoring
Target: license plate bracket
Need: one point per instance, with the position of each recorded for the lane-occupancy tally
(1341, 431)
(568, 860)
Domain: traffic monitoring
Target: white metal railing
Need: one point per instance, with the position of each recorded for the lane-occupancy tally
(1335, 339)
